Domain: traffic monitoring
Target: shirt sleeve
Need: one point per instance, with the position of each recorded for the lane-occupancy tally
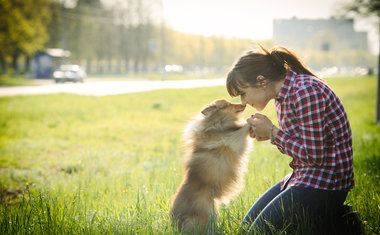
(308, 146)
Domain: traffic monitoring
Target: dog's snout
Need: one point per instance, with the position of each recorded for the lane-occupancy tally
(240, 108)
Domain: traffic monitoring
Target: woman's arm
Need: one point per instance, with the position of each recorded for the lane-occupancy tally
(308, 146)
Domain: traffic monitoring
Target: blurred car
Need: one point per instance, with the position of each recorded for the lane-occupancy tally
(69, 73)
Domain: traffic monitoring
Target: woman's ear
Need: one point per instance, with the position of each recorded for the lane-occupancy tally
(262, 82)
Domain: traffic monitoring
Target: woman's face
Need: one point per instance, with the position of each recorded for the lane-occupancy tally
(258, 98)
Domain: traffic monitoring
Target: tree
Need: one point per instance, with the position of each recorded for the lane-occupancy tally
(368, 8)
(22, 28)
(142, 32)
(54, 26)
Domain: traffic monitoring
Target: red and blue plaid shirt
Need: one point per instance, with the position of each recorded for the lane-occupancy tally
(315, 132)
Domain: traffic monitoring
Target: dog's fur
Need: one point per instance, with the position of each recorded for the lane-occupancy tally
(217, 143)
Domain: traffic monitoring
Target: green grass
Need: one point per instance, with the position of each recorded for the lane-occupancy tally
(85, 164)
(7, 81)
(15, 81)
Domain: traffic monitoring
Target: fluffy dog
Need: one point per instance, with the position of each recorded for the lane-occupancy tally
(217, 143)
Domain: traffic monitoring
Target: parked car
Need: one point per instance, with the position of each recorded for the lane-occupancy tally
(69, 73)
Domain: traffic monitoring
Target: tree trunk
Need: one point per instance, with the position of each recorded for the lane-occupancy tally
(15, 64)
(378, 91)
(100, 67)
(3, 65)
(88, 66)
(136, 66)
(27, 63)
(110, 69)
(119, 67)
(126, 66)
(378, 87)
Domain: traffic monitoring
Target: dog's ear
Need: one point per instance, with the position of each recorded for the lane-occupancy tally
(208, 110)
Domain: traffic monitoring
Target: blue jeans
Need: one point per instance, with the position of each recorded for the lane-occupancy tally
(275, 208)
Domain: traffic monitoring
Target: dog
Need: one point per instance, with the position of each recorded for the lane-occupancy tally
(217, 145)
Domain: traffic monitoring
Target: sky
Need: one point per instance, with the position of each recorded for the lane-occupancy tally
(250, 18)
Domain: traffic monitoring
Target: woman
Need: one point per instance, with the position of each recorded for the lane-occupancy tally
(313, 130)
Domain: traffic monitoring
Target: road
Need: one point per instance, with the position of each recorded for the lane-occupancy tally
(102, 88)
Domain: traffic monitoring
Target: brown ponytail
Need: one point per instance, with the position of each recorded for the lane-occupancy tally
(291, 60)
(272, 65)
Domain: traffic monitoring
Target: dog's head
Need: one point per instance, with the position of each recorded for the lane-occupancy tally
(222, 108)
(219, 115)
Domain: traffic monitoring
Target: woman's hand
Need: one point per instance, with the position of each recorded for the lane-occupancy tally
(260, 127)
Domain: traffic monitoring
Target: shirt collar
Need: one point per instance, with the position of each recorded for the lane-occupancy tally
(288, 83)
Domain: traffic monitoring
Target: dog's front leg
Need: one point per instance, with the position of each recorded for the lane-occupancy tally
(238, 140)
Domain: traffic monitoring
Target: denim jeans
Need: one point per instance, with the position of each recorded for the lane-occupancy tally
(275, 208)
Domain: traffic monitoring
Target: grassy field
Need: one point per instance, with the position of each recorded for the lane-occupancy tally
(15, 81)
(90, 165)
(7, 81)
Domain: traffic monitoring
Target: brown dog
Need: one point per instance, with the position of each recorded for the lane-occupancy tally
(217, 143)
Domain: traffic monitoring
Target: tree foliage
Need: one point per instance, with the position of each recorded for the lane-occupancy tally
(128, 35)
(363, 7)
(22, 27)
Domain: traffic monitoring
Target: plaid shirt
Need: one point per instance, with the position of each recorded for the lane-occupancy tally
(315, 132)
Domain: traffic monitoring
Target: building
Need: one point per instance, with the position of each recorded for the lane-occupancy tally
(319, 34)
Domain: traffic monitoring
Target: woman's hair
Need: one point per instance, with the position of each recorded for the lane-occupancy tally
(272, 65)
